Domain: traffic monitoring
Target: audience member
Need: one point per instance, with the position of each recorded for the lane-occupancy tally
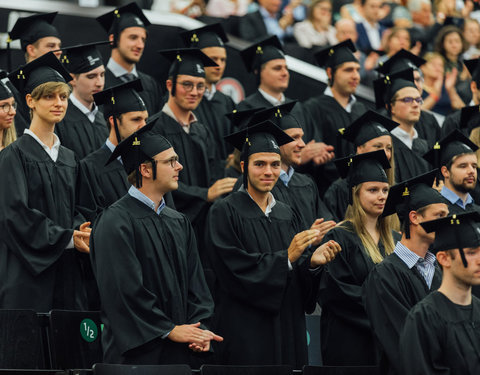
(8, 108)
(369, 29)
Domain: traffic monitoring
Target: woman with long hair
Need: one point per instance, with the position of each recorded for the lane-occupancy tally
(366, 238)
(317, 29)
(8, 109)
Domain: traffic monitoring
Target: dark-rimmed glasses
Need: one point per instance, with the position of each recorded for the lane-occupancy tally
(410, 100)
(188, 86)
(173, 161)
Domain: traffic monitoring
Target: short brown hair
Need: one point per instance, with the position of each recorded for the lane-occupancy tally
(48, 88)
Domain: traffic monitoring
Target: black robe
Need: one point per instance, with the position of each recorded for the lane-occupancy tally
(452, 121)
(211, 113)
(389, 293)
(428, 129)
(196, 153)
(260, 304)
(77, 133)
(346, 334)
(409, 163)
(302, 196)
(440, 337)
(38, 215)
(150, 280)
(336, 199)
(22, 118)
(151, 94)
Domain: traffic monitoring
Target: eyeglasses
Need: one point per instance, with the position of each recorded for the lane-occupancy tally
(173, 161)
(410, 100)
(188, 86)
(7, 107)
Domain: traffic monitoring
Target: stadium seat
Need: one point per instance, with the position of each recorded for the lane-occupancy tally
(107, 369)
(341, 370)
(245, 370)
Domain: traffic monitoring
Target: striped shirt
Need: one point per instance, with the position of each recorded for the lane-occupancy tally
(426, 266)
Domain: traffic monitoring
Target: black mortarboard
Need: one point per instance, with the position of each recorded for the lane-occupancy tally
(129, 15)
(473, 66)
(280, 115)
(207, 36)
(5, 92)
(360, 168)
(369, 126)
(402, 60)
(240, 119)
(262, 52)
(470, 118)
(46, 68)
(386, 87)
(82, 58)
(330, 57)
(137, 148)
(455, 143)
(32, 28)
(411, 195)
(120, 99)
(457, 231)
(262, 137)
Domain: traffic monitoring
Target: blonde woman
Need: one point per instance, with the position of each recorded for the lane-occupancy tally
(8, 109)
(40, 269)
(366, 238)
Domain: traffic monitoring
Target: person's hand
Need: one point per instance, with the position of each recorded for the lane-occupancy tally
(451, 79)
(467, 9)
(323, 227)
(205, 346)
(324, 254)
(371, 61)
(81, 240)
(300, 242)
(318, 152)
(417, 48)
(438, 186)
(85, 228)
(220, 187)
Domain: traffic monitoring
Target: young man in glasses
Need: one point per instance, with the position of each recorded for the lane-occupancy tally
(200, 183)
(398, 94)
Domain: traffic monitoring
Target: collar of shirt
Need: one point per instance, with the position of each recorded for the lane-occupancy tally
(328, 92)
(208, 94)
(270, 203)
(373, 34)
(286, 176)
(454, 198)
(119, 70)
(404, 136)
(186, 127)
(137, 194)
(90, 114)
(406, 255)
(52, 152)
(425, 266)
(273, 101)
(112, 147)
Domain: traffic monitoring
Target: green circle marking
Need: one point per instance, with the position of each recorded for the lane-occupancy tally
(88, 330)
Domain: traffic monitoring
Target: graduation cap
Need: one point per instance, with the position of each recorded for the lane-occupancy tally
(469, 118)
(280, 115)
(411, 195)
(402, 60)
(46, 68)
(187, 61)
(207, 36)
(262, 52)
(137, 148)
(82, 58)
(262, 137)
(369, 126)
(330, 57)
(32, 28)
(473, 66)
(5, 92)
(386, 87)
(120, 99)
(457, 231)
(360, 168)
(240, 119)
(455, 143)
(116, 21)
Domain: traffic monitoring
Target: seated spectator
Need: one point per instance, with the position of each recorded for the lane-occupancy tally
(352, 11)
(452, 8)
(425, 27)
(7, 114)
(227, 8)
(400, 15)
(394, 40)
(190, 8)
(369, 30)
(471, 34)
(317, 29)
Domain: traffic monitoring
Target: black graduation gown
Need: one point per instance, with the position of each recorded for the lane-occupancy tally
(77, 133)
(346, 335)
(196, 153)
(409, 163)
(440, 337)
(150, 279)
(452, 121)
(211, 113)
(22, 118)
(151, 94)
(389, 293)
(336, 199)
(260, 304)
(427, 128)
(301, 195)
(38, 214)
